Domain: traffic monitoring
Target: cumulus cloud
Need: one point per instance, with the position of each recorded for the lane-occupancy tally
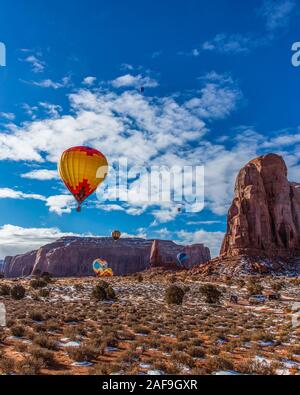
(52, 110)
(58, 204)
(8, 193)
(17, 240)
(218, 98)
(122, 124)
(134, 81)
(212, 240)
(89, 81)
(41, 175)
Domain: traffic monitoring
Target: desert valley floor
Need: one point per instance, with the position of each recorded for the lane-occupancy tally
(62, 329)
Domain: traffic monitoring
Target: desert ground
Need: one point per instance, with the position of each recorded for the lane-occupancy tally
(62, 326)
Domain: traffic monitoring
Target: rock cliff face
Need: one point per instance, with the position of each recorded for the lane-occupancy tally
(73, 256)
(264, 219)
(164, 253)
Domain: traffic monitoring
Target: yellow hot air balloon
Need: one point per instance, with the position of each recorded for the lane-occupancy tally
(82, 169)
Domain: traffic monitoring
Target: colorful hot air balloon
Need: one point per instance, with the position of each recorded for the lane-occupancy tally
(116, 234)
(182, 259)
(101, 269)
(82, 169)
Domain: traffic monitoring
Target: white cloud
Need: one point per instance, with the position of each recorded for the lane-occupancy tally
(218, 98)
(61, 204)
(51, 109)
(58, 204)
(8, 116)
(212, 240)
(89, 81)
(277, 13)
(30, 110)
(48, 83)
(17, 240)
(231, 43)
(38, 66)
(203, 222)
(121, 126)
(8, 193)
(41, 175)
(134, 81)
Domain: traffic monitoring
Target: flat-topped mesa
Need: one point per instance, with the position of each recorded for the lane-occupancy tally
(73, 256)
(264, 218)
(164, 254)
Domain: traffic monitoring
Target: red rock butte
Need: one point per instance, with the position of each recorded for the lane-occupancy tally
(73, 256)
(264, 218)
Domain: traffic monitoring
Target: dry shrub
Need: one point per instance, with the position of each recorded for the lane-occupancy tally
(219, 363)
(38, 283)
(17, 292)
(45, 342)
(174, 295)
(18, 330)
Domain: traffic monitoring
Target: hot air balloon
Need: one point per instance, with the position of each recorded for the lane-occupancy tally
(101, 269)
(116, 234)
(82, 169)
(182, 259)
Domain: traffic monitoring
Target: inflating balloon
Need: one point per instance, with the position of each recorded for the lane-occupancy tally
(116, 234)
(182, 259)
(82, 169)
(101, 269)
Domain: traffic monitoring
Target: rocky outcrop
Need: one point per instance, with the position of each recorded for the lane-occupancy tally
(264, 219)
(73, 256)
(164, 253)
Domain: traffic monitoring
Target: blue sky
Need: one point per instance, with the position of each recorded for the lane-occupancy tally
(220, 90)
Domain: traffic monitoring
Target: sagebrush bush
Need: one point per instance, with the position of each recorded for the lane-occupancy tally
(44, 293)
(83, 353)
(18, 330)
(36, 315)
(45, 342)
(38, 283)
(17, 292)
(4, 290)
(103, 291)
(174, 295)
(254, 288)
(211, 293)
(46, 276)
(29, 367)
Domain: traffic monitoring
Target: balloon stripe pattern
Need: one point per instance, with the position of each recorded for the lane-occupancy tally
(82, 169)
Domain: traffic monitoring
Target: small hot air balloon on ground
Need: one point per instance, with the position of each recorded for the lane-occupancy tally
(116, 234)
(101, 269)
(182, 259)
(82, 169)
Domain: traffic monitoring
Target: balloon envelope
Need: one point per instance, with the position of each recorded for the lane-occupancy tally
(82, 169)
(101, 269)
